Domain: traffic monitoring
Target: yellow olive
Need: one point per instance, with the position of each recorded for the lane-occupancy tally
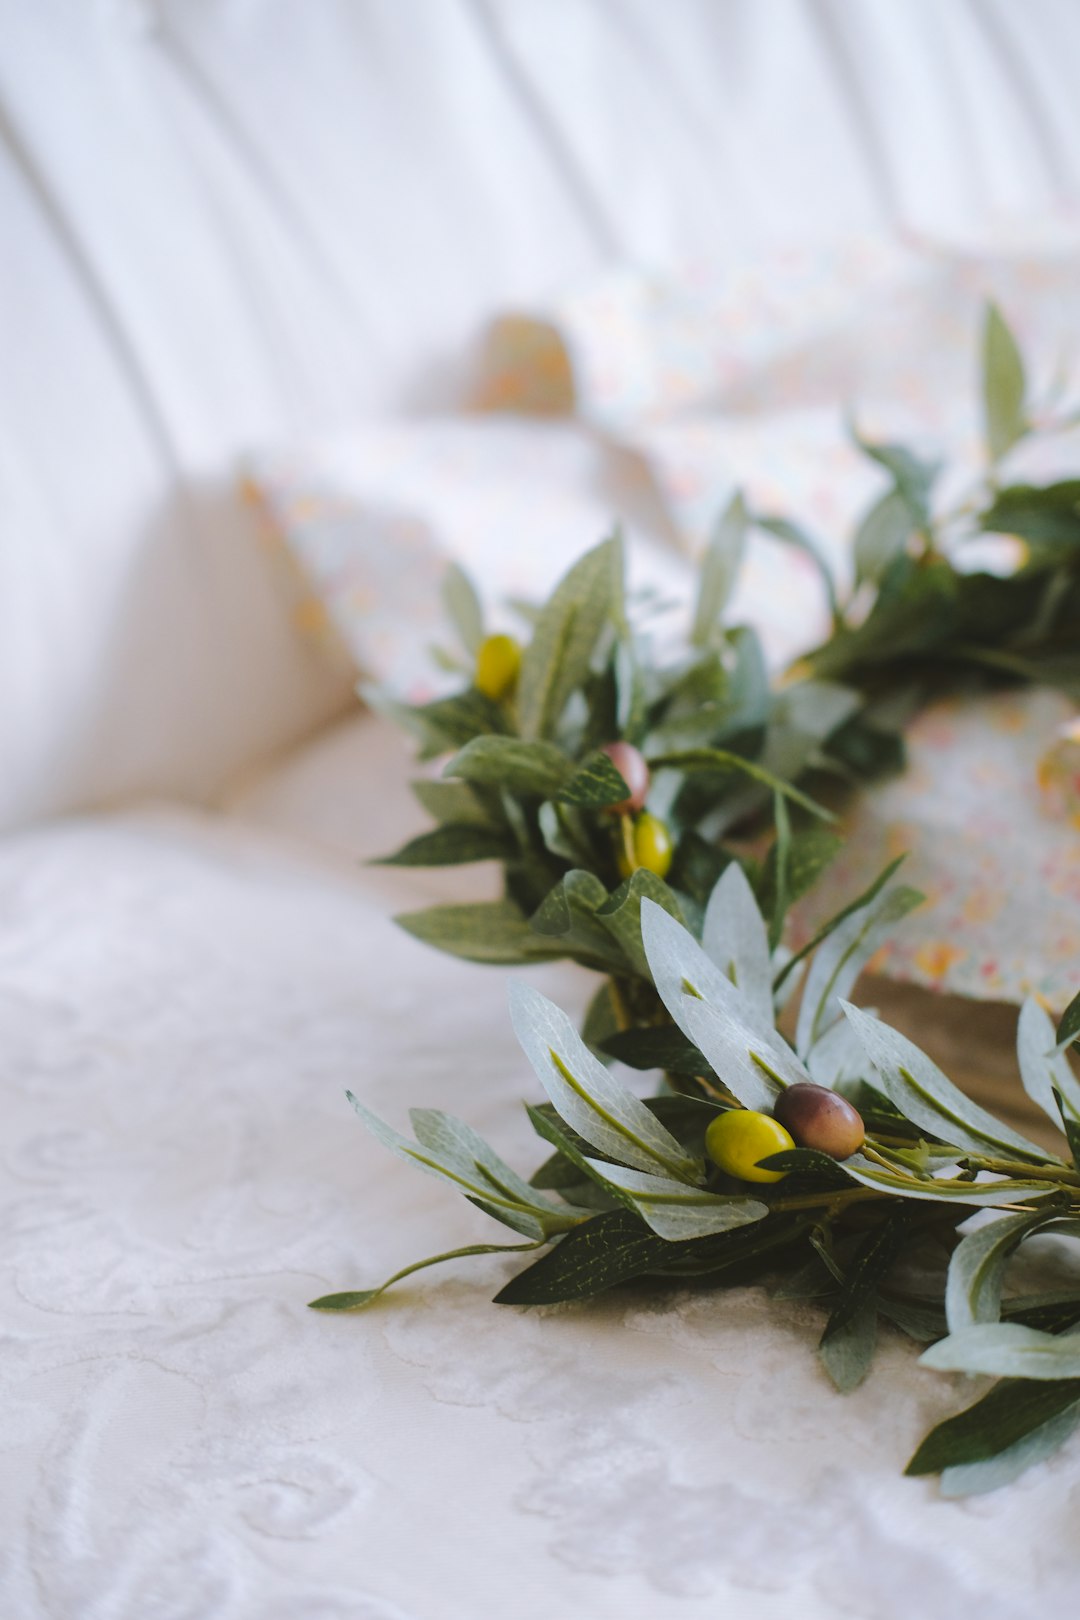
(738, 1139)
(630, 764)
(822, 1119)
(653, 848)
(498, 662)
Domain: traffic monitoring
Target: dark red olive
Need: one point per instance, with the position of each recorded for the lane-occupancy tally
(631, 766)
(820, 1118)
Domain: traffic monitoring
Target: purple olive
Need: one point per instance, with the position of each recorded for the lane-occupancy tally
(631, 766)
(820, 1118)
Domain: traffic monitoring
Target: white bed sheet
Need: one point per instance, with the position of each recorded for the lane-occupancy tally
(185, 999)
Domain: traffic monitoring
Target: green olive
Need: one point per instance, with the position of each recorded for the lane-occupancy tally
(822, 1119)
(738, 1139)
(498, 663)
(653, 848)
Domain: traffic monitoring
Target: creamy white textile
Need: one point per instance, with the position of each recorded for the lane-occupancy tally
(228, 223)
(184, 1001)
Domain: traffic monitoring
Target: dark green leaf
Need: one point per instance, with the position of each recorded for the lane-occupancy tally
(719, 570)
(913, 476)
(847, 1352)
(1012, 1410)
(874, 1256)
(833, 923)
(1069, 1028)
(451, 801)
(1049, 516)
(621, 913)
(597, 1255)
(664, 1047)
(810, 852)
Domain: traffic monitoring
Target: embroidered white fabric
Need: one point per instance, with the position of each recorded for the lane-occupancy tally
(184, 1001)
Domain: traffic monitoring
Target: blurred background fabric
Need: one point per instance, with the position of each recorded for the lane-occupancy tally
(228, 223)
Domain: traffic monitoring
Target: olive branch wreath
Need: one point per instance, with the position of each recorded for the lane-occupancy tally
(656, 816)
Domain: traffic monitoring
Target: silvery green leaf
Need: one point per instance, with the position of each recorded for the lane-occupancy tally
(945, 1189)
(507, 762)
(977, 1478)
(621, 913)
(882, 535)
(471, 1182)
(463, 605)
(836, 1056)
(355, 1300)
(915, 1085)
(557, 659)
(1003, 385)
(735, 937)
(719, 570)
(675, 1211)
(913, 476)
(840, 959)
(454, 1142)
(754, 1065)
(1006, 1350)
(1043, 1069)
(679, 966)
(816, 708)
(977, 1268)
(587, 1097)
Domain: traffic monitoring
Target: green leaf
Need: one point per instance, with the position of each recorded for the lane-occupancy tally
(912, 476)
(975, 1479)
(734, 936)
(355, 1301)
(587, 1097)
(463, 605)
(946, 1190)
(809, 853)
(1006, 1350)
(1003, 1418)
(721, 760)
(792, 534)
(1048, 516)
(453, 844)
(601, 1020)
(915, 1085)
(594, 785)
(569, 913)
(449, 722)
(847, 1353)
(874, 1256)
(883, 535)
(621, 912)
(488, 931)
(663, 1047)
(977, 1268)
(719, 571)
(557, 659)
(841, 958)
(450, 801)
(1069, 1027)
(1003, 385)
(513, 765)
(675, 1211)
(833, 923)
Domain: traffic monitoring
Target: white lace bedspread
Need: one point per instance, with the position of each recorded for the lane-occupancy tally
(183, 1002)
